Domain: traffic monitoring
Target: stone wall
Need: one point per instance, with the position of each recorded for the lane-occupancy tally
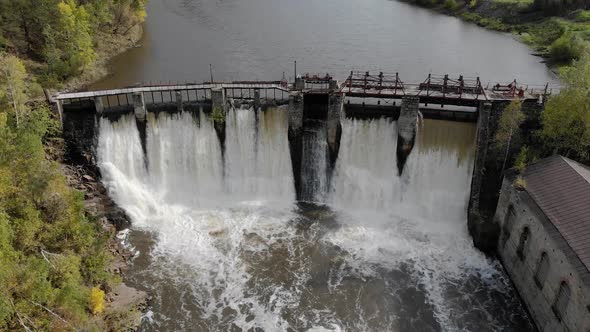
(544, 238)
(488, 169)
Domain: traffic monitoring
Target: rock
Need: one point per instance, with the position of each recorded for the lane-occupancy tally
(88, 178)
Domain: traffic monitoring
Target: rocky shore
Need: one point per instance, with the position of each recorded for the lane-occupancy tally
(125, 305)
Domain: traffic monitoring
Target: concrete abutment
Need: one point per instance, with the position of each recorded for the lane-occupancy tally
(295, 135)
(406, 128)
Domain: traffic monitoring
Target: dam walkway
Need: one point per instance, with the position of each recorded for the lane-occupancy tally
(435, 89)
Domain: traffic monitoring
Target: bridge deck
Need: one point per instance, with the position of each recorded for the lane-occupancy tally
(180, 87)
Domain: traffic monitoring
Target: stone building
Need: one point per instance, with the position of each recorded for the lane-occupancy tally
(544, 243)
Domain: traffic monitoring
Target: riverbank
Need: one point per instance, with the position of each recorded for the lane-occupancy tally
(558, 36)
(108, 46)
(125, 305)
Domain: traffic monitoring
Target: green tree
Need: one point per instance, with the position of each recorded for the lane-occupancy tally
(508, 126)
(73, 36)
(12, 84)
(566, 119)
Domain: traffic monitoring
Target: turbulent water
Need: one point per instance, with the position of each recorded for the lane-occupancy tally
(223, 246)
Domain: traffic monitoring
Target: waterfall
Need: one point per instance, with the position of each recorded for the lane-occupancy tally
(257, 158)
(184, 158)
(222, 247)
(365, 175)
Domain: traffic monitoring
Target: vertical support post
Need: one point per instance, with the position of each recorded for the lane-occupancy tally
(334, 127)
(406, 126)
(218, 114)
(98, 105)
(179, 104)
(139, 106)
(140, 118)
(256, 99)
(295, 134)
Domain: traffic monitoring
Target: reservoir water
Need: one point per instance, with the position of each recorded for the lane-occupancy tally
(260, 39)
(221, 242)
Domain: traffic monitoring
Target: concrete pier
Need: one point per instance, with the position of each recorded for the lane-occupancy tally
(218, 114)
(334, 127)
(406, 129)
(141, 119)
(295, 135)
(483, 229)
(98, 105)
(256, 99)
(139, 107)
(179, 104)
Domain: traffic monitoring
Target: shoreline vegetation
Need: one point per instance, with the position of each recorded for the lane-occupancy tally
(558, 31)
(61, 262)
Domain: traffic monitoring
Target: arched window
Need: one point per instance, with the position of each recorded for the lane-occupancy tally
(524, 239)
(542, 270)
(561, 300)
(508, 225)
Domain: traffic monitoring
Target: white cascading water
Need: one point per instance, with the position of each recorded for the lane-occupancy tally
(365, 176)
(197, 217)
(419, 217)
(228, 251)
(257, 158)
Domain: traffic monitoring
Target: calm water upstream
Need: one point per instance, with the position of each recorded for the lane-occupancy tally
(260, 39)
(222, 243)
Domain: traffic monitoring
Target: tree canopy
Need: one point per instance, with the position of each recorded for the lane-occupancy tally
(61, 35)
(566, 119)
(51, 255)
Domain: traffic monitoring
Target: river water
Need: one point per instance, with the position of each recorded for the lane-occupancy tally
(220, 240)
(260, 39)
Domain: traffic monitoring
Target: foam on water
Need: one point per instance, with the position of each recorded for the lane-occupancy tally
(228, 249)
(201, 220)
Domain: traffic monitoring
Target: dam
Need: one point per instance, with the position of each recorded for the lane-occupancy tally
(269, 206)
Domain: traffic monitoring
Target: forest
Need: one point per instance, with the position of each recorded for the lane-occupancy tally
(54, 257)
(60, 39)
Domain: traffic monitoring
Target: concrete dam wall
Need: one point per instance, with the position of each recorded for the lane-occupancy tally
(312, 128)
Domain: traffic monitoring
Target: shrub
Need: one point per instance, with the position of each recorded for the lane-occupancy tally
(96, 300)
(522, 159)
(451, 5)
(520, 183)
(567, 47)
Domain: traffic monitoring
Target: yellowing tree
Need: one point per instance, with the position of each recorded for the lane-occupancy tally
(73, 35)
(566, 119)
(13, 85)
(96, 300)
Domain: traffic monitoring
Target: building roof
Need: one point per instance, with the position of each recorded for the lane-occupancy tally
(561, 189)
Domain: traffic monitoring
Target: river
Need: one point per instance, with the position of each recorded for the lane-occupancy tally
(220, 241)
(260, 39)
